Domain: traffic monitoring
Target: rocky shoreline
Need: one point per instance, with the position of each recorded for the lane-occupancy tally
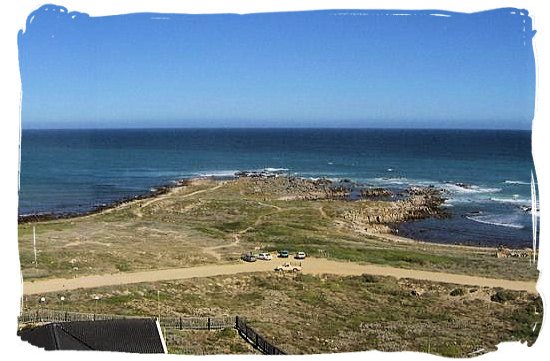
(413, 203)
(367, 214)
(155, 192)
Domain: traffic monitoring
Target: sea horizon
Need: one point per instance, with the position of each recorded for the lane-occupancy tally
(286, 127)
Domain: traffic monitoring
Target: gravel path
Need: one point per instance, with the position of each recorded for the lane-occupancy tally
(313, 266)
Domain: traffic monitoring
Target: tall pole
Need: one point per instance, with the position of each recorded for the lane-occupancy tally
(96, 298)
(158, 303)
(34, 245)
(534, 218)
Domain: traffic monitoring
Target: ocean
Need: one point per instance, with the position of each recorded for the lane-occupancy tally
(487, 174)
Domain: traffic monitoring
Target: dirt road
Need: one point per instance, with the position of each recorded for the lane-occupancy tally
(310, 266)
(164, 196)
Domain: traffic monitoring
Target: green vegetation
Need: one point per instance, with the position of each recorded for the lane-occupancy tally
(210, 221)
(503, 296)
(457, 292)
(309, 314)
(226, 341)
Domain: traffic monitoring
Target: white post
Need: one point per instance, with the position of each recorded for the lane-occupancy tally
(34, 245)
(534, 219)
(96, 298)
(158, 303)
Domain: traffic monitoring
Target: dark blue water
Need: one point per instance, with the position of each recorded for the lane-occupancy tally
(76, 170)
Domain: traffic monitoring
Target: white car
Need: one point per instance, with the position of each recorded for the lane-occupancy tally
(265, 256)
(287, 267)
(300, 255)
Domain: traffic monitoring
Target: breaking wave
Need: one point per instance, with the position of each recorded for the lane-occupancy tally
(456, 188)
(517, 182)
(275, 170)
(501, 221)
(513, 200)
(219, 173)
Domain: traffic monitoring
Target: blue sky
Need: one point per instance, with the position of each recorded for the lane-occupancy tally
(306, 69)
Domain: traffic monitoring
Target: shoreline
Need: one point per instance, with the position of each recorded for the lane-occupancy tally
(158, 191)
(183, 182)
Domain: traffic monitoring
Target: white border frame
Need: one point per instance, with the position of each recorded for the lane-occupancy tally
(15, 17)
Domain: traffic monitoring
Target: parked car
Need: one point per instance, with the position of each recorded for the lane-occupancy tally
(248, 257)
(283, 254)
(300, 255)
(265, 256)
(287, 267)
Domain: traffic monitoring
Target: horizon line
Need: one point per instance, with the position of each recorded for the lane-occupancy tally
(275, 128)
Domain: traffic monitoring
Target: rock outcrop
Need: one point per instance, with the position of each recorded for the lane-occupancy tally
(503, 252)
(291, 187)
(418, 204)
(375, 193)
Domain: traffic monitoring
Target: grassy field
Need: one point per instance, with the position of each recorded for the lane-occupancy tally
(213, 222)
(210, 221)
(310, 314)
(189, 342)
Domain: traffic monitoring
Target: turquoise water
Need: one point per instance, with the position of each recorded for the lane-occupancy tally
(487, 173)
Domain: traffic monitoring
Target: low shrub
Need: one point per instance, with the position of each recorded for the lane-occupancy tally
(370, 278)
(501, 296)
(457, 292)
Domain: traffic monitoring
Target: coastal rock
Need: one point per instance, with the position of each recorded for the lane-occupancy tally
(375, 193)
(421, 203)
(291, 187)
(461, 185)
(503, 252)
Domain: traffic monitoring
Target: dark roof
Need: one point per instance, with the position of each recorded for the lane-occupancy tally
(125, 335)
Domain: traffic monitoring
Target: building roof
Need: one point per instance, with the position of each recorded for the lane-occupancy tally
(125, 335)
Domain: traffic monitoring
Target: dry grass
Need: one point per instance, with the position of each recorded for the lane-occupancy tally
(211, 221)
(307, 314)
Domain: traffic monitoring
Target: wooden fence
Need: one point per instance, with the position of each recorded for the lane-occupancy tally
(177, 323)
(257, 340)
(173, 322)
(197, 323)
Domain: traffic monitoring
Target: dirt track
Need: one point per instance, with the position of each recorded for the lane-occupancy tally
(310, 266)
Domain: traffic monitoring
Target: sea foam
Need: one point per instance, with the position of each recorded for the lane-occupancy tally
(513, 200)
(219, 173)
(455, 188)
(275, 170)
(517, 182)
(497, 220)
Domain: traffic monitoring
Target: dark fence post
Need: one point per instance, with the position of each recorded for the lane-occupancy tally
(181, 324)
(209, 324)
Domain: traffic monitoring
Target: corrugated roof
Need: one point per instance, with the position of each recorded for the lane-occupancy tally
(128, 335)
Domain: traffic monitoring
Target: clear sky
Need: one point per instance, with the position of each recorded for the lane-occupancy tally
(304, 69)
